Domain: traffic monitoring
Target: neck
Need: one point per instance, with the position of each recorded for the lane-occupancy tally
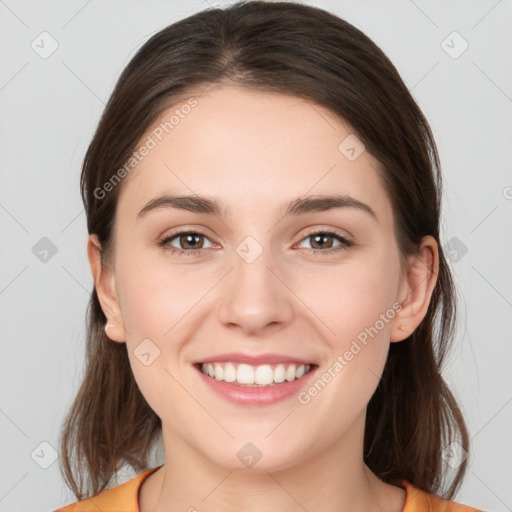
(334, 480)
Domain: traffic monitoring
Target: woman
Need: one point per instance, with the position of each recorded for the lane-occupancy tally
(263, 203)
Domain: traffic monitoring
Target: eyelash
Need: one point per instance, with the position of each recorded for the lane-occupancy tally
(345, 243)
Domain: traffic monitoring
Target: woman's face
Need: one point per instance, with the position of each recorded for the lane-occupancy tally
(247, 290)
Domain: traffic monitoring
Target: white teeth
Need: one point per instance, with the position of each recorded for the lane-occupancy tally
(279, 373)
(219, 372)
(264, 375)
(247, 375)
(229, 373)
(290, 373)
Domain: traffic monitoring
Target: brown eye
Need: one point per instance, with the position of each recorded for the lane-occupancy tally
(323, 242)
(189, 242)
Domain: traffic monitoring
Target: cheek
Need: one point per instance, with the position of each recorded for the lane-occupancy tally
(357, 308)
(160, 304)
(353, 298)
(158, 299)
(155, 311)
(155, 296)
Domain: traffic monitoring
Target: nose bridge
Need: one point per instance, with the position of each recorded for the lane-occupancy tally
(252, 276)
(254, 296)
(252, 262)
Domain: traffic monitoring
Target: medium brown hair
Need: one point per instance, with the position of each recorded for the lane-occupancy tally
(299, 50)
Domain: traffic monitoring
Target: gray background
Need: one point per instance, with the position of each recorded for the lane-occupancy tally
(49, 110)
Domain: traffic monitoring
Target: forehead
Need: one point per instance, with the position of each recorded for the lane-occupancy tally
(251, 150)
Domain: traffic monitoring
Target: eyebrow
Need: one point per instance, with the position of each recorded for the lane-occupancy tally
(212, 206)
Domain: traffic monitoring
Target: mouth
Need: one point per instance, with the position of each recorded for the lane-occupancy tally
(255, 376)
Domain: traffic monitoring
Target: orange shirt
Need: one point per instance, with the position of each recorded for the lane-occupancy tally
(124, 498)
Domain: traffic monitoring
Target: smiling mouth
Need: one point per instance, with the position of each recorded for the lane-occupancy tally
(265, 375)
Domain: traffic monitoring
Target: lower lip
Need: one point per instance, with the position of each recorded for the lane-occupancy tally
(246, 395)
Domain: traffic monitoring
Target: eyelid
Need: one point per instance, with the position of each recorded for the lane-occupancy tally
(181, 230)
(166, 238)
(330, 230)
(345, 242)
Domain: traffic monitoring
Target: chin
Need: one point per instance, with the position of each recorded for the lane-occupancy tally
(258, 455)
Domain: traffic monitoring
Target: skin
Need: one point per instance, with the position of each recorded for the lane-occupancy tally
(256, 151)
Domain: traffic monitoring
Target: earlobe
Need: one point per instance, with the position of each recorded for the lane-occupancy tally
(416, 289)
(104, 282)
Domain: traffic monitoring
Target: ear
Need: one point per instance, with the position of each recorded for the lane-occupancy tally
(104, 282)
(415, 289)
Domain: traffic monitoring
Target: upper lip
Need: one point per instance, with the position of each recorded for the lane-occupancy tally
(255, 360)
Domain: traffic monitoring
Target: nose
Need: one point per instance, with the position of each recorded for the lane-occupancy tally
(255, 295)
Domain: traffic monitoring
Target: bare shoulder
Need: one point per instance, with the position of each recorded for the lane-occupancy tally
(149, 491)
(392, 497)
